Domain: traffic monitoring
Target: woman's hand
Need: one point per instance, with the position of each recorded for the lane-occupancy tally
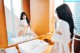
(58, 32)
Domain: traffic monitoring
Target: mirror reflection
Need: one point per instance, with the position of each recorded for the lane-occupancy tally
(17, 22)
(24, 24)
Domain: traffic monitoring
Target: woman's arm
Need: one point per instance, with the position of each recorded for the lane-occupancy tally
(59, 32)
(25, 28)
(58, 28)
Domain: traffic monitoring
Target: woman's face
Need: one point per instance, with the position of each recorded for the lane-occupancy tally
(24, 17)
(56, 18)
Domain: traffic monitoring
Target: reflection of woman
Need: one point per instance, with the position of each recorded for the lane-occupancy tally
(64, 29)
(24, 24)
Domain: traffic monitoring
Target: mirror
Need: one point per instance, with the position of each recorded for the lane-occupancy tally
(18, 28)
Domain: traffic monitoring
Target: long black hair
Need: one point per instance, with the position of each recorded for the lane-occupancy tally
(21, 17)
(64, 13)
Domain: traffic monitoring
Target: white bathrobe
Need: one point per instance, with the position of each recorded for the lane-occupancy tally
(61, 41)
(23, 23)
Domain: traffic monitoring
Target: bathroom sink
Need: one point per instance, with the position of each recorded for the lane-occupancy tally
(34, 46)
(22, 39)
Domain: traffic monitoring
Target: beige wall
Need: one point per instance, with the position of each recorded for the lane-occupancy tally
(39, 10)
(51, 16)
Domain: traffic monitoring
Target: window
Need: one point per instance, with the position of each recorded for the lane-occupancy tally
(72, 0)
(57, 3)
(75, 7)
(13, 9)
(17, 7)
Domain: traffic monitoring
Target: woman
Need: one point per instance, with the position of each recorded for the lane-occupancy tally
(24, 24)
(64, 30)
